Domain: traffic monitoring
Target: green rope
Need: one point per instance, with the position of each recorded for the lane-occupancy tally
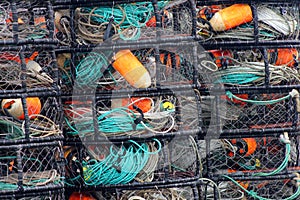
(89, 70)
(118, 120)
(11, 130)
(120, 167)
(125, 15)
(255, 195)
(268, 102)
(282, 165)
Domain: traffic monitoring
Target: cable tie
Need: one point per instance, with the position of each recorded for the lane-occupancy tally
(297, 179)
(285, 138)
(294, 93)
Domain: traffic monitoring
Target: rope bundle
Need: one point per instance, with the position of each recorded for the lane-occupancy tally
(37, 168)
(121, 166)
(253, 73)
(128, 19)
(123, 121)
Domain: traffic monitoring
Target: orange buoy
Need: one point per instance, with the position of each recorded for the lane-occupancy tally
(231, 17)
(144, 104)
(283, 56)
(245, 146)
(152, 21)
(40, 21)
(15, 108)
(81, 196)
(131, 69)
(208, 11)
(166, 59)
(218, 54)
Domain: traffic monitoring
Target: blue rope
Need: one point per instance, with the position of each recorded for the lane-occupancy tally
(108, 122)
(120, 167)
(125, 15)
(89, 70)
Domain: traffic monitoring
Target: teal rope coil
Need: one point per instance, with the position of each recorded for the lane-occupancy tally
(120, 167)
(118, 120)
(89, 70)
(125, 16)
(253, 73)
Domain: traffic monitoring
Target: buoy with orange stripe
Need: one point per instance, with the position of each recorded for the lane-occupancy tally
(15, 108)
(167, 60)
(283, 56)
(131, 69)
(245, 146)
(231, 17)
(219, 56)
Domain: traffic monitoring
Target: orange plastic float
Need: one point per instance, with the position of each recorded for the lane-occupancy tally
(246, 146)
(131, 69)
(152, 21)
(231, 17)
(218, 54)
(285, 56)
(15, 108)
(208, 10)
(144, 104)
(81, 196)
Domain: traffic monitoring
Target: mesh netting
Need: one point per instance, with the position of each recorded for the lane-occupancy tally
(44, 119)
(158, 162)
(39, 70)
(30, 167)
(253, 156)
(273, 22)
(249, 112)
(25, 22)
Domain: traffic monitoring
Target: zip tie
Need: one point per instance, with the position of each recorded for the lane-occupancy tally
(295, 94)
(297, 179)
(285, 138)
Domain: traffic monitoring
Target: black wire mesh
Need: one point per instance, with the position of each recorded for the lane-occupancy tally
(26, 22)
(28, 168)
(30, 69)
(163, 165)
(246, 115)
(277, 188)
(33, 119)
(249, 157)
